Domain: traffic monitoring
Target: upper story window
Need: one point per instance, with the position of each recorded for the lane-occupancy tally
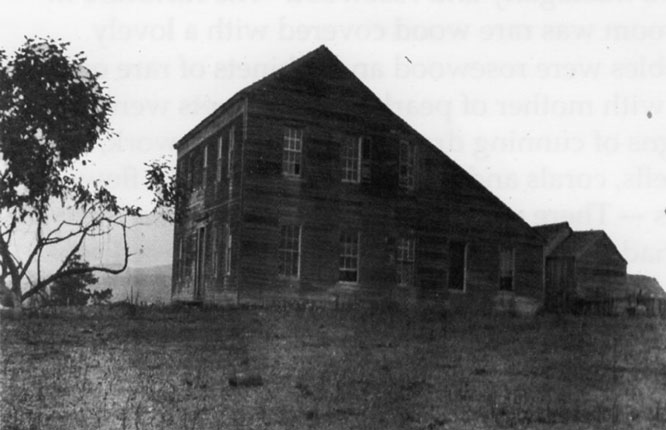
(195, 170)
(289, 251)
(218, 174)
(349, 255)
(230, 159)
(356, 161)
(507, 268)
(205, 165)
(407, 164)
(230, 155)
(351, 160)
(406, 255)
(292, 152)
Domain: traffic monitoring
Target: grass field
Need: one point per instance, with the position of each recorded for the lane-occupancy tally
(128, 368)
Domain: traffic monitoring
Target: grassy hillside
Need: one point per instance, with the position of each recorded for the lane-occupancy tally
(122, 367)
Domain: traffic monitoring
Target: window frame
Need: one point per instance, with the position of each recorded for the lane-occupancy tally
(346, 257)
(406, 260)
(294, 255)
(218, 173)
(407, 164)
(228, 249)
(292, 152)
(351, 160)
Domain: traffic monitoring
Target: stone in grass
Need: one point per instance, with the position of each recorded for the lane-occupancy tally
(241, 379)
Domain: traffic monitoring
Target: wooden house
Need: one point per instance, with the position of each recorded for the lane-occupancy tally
(581, 264)
(305, 185)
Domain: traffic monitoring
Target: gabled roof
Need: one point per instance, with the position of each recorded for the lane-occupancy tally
(580, 241)
(321, 55)
(323, 60)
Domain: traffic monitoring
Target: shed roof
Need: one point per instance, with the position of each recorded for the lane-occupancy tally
(551, 231)
(580, 241)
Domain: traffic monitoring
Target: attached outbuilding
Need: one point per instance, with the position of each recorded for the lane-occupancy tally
(581, 264)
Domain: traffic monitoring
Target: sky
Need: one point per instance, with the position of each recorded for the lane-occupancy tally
(557, 107)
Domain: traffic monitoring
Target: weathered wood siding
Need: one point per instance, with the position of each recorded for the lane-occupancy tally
(446, 203)
(445, 206)
(211, 201)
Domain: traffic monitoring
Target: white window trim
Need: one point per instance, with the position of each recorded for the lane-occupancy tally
(292, 136)
(408, 258)
(356, 161)
(298, 257)
(358, 262)
(228, 250)
(218, 175)
(230, 151)
(410, 164)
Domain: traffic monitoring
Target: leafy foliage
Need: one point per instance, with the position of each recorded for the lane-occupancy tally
(72, 290)
(53, 112)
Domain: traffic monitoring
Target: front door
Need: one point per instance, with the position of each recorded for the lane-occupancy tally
(199, 267)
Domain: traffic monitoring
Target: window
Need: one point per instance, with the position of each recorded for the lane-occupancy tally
(351, 160)
(457, 266)
(366, 159)
(405, 261)
(180, 273)
(230, 155)
(406, 164)
(349, 244)
(205, 166)
(289, 251)
(291, 155)
(507, 266)
(214, 252)
(218, 174)
(227, 253)
(356, 161)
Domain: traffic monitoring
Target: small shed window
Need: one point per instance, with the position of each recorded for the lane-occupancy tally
(407, 164)
(289, 251)
(507, 267)
(405, 261)
(292, 152)
(349, 255)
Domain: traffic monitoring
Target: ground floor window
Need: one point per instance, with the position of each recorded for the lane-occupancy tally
(228, 248)
(289, 251)
(405, 261)
(457, 265)
(507, 265)
(349, 255)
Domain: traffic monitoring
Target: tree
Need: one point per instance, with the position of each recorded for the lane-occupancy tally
(53, 112)
(72, 290)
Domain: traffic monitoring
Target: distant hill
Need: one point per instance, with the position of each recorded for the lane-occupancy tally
(149, 284)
